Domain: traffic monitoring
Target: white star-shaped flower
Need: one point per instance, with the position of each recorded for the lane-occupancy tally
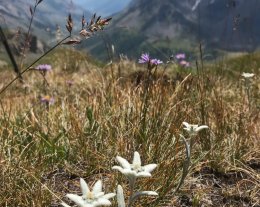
(135, 169)
(91, 198)
(248, 75)
(193, 129)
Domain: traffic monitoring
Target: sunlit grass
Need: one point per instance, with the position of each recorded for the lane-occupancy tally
(44, 150)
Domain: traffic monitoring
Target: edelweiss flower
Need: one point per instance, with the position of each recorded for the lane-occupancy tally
(248, 75)
(91, 198)
(193, 129)
(135, 169)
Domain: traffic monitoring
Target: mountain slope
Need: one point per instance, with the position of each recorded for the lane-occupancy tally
(104, 7)
(167, 26)
(49, 14)
(214, 21)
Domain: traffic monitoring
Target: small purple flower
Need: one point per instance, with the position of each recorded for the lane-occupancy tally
(44, 68)
(180, 56)
(47, 100)
(156, 61)
(69, 83)
(145, 58)
(184, 63)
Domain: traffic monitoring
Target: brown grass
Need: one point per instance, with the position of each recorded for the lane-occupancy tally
(44, 150)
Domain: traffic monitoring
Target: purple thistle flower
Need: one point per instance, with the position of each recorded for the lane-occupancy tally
(156, 61)
(44, 67)
(69, 83)
(47, 100)
(145, 58)
(184, 63)
(180, 56)
(151, 63)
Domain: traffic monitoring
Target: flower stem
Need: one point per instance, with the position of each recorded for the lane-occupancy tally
(26, 69)
(28, 34)
(132, 186)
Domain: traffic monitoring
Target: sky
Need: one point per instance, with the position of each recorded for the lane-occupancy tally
(103, 7)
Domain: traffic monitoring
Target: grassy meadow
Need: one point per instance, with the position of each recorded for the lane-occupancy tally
(100, 112)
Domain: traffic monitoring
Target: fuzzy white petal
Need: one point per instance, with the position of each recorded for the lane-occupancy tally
(77, 199)
(120, 169)
(248, 75)
(201, 127)
(147, 193)
(100, 194)
(97, 187)
(103, 202)
(89, 205)
(137, 159)
(130, 173)
(186, 124)
(109, 195)
(120, 196)
(150, 193)
(143, 174)
(65, 204)
(149, 168)
(84, 186)
(123, 162)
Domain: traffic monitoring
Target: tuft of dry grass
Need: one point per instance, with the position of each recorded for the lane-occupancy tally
(44, 150)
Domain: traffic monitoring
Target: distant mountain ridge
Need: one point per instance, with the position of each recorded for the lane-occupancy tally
(160, 27)
(229, 24)
(49, 14)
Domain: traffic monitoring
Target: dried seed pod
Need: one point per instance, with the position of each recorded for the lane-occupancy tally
(83, 21)
(93, 19)
(85, 33)
(69, 25)
(72, 42)
(98, 19)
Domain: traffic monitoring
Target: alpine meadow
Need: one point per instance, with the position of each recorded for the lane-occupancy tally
(144, 103)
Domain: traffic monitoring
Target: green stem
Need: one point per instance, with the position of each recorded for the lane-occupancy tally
(132, 186)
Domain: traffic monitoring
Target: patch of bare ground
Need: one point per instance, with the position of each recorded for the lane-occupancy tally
(234, 188)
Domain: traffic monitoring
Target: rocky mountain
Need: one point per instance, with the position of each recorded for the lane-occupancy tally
(167, 26)
(49, 15)
(104, 7)
(159, 27)
(229, 24)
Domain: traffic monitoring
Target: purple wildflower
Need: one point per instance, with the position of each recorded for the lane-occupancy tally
(184, 63)
(145, 58)
(69, 83)
(180, 56)
(47, 100)
(156, 61)
(44, 67)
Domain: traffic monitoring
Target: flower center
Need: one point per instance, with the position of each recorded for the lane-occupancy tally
(90, 195)
(137, 167)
